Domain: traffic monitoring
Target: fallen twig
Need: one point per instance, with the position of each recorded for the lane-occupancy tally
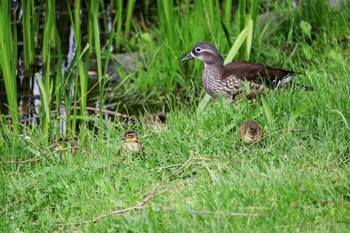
(41, 158)
(219, 213)
(171, 166)
(151, 193)
(106, 111)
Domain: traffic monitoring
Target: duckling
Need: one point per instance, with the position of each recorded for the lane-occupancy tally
(131, 141)
(157, 122)
(250, 132)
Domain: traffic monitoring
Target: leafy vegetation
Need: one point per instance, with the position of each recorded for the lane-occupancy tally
(197, 175)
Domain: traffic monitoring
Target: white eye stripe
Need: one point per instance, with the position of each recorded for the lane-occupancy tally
(205, 50)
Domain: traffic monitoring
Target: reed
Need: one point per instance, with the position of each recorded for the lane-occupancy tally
(29, 27)
(166, 18)
(117, 5)
(129, 13)
(227, 7)
(59, 83)
(81, 74)
(95, 38)
(8, 61)
(49, 44)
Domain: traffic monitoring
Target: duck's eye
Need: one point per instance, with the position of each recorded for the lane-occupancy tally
(198, 49)
(250, 132)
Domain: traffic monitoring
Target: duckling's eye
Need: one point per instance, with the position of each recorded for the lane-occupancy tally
(250, 132)
(198, 49)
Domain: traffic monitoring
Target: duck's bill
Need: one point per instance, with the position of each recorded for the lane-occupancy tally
(188, 57)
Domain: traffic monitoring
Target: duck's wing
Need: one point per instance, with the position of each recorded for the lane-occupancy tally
(258, 73)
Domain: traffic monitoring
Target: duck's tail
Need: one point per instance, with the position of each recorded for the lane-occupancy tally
(286, 81)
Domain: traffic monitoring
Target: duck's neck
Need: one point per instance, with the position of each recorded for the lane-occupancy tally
(213, 70)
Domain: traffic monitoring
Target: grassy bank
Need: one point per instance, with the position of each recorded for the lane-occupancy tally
(291, 181)
(197, 175)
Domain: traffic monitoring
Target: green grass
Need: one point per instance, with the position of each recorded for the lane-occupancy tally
(299, 180)
(291, 181)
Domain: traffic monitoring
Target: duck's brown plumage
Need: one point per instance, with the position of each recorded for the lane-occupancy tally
(255, 72)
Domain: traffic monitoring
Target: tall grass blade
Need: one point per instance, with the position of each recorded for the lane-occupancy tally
(59, 84)
(166, 16)
(44, 98)
(129, 13)
(108, 49)
(295, 114)
(268, 111)
(227, 34)
(119, 23)
(28, 29)
(343, 118)
(49, 44)
(203, 103)
(97, 46)
(242, 5)
(254, 10)
(81, 76)
(247, 20)
(227, 12)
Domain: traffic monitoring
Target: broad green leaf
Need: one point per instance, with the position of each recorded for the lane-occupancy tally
(295, 114)
(250, 36)
(44, 97)
(203, 103)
